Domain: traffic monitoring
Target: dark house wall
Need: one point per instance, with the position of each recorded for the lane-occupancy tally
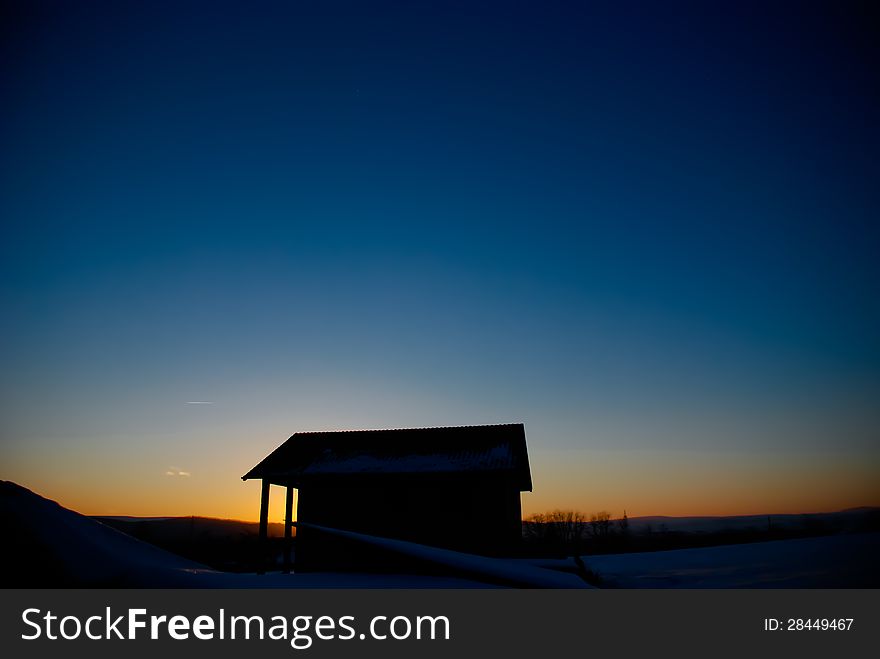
(472, 514)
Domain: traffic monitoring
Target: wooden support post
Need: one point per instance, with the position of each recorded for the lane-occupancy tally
(288, 526)
(264, 527)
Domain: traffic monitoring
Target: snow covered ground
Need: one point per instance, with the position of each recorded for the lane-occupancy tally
(500, 571)
(838, 561)
(46, 545)
(53, 546)
(50, 546)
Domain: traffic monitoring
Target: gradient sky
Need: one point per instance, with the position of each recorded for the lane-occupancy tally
(648, 233)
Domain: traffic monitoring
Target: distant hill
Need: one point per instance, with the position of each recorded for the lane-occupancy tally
(233, 545)
(851, 519)
(557, 537)
(223, 544)
(185, 526)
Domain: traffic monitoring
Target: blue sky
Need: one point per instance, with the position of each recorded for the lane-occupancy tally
(649, 233)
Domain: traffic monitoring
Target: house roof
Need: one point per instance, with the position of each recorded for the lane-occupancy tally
(462, 449)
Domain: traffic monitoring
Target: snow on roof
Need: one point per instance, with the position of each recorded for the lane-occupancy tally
(480, 449)
(328, 462)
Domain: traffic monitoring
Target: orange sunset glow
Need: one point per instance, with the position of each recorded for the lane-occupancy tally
(677, 484)
(648, 239)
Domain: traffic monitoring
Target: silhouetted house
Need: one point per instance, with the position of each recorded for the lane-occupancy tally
(456, 488)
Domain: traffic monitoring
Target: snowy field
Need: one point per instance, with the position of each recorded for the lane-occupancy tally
(57, 547)
(50, 546)
(838, 561)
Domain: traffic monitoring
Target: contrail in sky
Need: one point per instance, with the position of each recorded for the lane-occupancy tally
(200, 402)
